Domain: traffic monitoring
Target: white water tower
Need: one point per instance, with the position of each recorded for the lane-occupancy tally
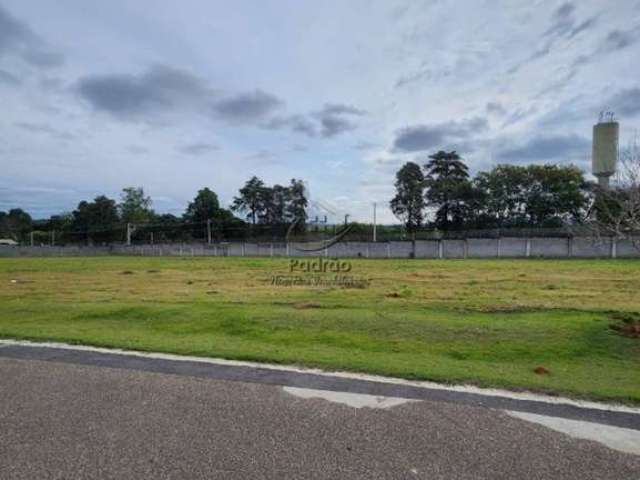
(604, 156)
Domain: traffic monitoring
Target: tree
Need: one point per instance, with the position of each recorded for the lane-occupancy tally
(503, 195)
(251, 200)
(205, 206)
(447, 189)
(408, 204)
(531, 196)
(134, 206)
(616, 212)
(98, 220)
(62, 226)
(15, 224)
(554, 195)
(274, 202)
(296, 208)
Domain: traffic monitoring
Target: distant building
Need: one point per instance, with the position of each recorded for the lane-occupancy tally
(8, 241)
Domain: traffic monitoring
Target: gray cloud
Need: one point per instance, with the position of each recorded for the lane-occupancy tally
(547, 148)
(297, 123)
(562, 19)
(161, 89)
(43, 128)
(43, 58)
(337, 118)
(333, 119)
(564, 22)
(626, 102)
(340, 109)
(444, 135)
(13, 33)
(261, 155)
(17, 38)
(422, 74)
(9, 79)
(615, 41)
(248, 107)
(333, 125)
(198, 148)
(137, 150)
(563, 27)
(619, 39)
(495, 108)
(365, 145)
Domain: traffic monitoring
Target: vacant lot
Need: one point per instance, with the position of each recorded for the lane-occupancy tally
(487, 322)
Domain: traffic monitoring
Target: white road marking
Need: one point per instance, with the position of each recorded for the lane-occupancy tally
(356, 400)
(616, 438)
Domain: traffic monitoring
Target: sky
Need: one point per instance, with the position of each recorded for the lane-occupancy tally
(177, 96)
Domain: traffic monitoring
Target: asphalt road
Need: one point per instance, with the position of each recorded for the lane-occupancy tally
(65, 420)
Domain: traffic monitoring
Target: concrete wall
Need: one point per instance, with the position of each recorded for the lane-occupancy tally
(470, 248)
(482, 247)
(514, 247)
(550, 247)
(586, 247)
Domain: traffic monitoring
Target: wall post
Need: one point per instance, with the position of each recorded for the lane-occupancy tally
(614, 247)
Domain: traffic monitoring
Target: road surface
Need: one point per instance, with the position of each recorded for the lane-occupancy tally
(69, 414)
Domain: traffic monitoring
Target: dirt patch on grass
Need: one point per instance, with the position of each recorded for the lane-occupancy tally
(540, 370)
(306, 305)
(627, 324)
(506, 308)
(126, 272)
(405, 292)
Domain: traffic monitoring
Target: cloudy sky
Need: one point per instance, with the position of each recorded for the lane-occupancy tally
(175, 96)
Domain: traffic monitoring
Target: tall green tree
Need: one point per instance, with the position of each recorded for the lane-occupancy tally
(297, 201)
(409, 204)
(251, 199)
(447, 189)
(275, 201)
(135, 206)
(205, 206)
(504, 196)
(15, 224)
(532, 195)
(97, 220)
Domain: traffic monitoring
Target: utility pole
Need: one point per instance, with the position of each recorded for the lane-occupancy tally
(128, 234)
(31, 238)
(209, 232)
(346, 218)
(374, 222)
(151, 234)
(53, 237)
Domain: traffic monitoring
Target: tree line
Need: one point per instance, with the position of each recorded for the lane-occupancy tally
(441, 194)
(265, 210)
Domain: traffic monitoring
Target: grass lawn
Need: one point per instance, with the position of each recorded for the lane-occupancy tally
(486, 322)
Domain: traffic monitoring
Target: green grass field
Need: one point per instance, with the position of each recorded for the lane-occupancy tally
(486, 322)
